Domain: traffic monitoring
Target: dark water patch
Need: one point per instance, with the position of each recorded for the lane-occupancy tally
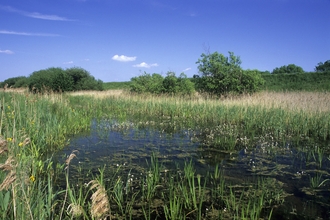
(298, 175)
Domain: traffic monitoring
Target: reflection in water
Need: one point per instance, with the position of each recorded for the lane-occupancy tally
(301, 172)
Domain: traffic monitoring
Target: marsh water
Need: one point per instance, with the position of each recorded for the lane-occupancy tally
(301, 175)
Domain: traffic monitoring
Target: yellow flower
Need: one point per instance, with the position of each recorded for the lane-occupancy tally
(10, 139)
(21, 144)
(32, 178)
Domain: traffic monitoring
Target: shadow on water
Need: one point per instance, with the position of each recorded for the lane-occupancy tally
(301, 172)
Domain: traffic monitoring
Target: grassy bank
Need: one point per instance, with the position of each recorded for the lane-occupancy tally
(33, 127)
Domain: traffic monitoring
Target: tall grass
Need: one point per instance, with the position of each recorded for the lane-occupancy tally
(228, 123)
(33, 127)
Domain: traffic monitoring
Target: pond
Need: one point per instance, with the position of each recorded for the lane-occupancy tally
(287, 181)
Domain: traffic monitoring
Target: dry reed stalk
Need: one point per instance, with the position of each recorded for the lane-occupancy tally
(99, 94)
(10, 178)
(71, 156)
(75, 210)
(8, 165)
(67, 162)
(293, 101)
(3, 145)
(100, 203)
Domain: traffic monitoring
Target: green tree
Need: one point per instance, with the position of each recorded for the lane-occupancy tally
(222, 75)
(59, 80)
(83, 80)
(15, 82)
(323, 67)
(147, 83)
(156, 84)
(170, 83)
(51, 79)
(289, 69)
(186, 86)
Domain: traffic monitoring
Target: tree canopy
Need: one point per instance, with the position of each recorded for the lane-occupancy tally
(157, 84)
(59, 80)
(289, 69)
(322, 67)
(222, 75)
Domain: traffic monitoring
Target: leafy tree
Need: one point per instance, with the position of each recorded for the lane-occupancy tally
(170, 83)
(147, 83)
(82, 79)
(156, 84)
(222, 75)
(59, 80)
(323, 67)
(289, 69)
(15, 82)
(51, 79)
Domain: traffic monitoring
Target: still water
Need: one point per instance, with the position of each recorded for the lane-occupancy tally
(301, 173)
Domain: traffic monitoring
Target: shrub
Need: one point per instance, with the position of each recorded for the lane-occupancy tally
(147, 83)
(223, 75)
(156, 84)
(15, 82)
(289, 69)
(82, 79)
(59, 80)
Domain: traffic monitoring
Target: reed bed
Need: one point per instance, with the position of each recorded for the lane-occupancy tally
(278, 117)
(33, 127)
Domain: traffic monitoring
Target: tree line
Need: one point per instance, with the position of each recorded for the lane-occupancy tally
(218, 75)
(56, 80)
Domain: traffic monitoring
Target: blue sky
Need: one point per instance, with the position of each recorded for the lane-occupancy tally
(116, 40)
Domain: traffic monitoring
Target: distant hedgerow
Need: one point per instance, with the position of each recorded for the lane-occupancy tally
(157, 84)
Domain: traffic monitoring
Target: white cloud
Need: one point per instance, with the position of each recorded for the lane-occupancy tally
(46, 17)
(123, 58)
(29, 34)
(34, 14)
(145, 65)
(69, 62)
(6, 51)
(185, 70)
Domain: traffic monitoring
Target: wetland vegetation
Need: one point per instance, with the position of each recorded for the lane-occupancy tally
(130, 156)
(161, 150)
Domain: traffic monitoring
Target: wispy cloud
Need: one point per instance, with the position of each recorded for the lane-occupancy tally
(123, 58)
(69, 62)
(34, 14)
(6, 51)
(145, 65)
(29, 34)
(187, 69)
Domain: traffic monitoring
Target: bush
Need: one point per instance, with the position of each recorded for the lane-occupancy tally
(156, 84)
(59, 80)
(147, 83)
(323, 67)
(289, 69)
(82, 80)
(15, 82)
(223, 75)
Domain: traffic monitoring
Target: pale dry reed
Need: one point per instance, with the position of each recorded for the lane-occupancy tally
(99, 94)
(100, 203)
(293, 101)
(312, 102)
